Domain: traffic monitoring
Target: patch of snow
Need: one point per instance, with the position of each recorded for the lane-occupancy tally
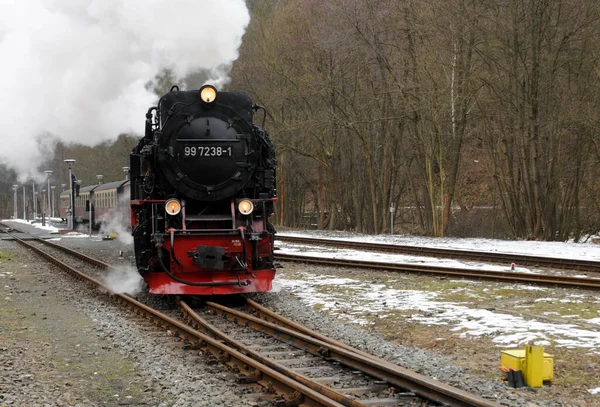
(356, 301)
(567, 250)
(75, 235)
(593, 321)
(49, 229)
(595, 391)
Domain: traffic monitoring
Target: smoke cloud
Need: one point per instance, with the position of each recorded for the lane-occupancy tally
(75, 70)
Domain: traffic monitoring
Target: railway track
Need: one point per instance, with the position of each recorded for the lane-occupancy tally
(346, 375)
(263, 349)
(513, 277)
(488, 257)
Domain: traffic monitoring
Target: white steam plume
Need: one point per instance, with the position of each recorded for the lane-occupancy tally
(123, 280)
(76, 69)
(118, 221)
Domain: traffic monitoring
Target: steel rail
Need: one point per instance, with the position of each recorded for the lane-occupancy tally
(503, 258)
(540, 279)
(95, 262)
(297, 394)
(201, 323)
(270, 316)
(249, 369)
(421, 385)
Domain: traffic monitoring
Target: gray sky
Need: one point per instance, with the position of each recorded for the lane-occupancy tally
(76, 69)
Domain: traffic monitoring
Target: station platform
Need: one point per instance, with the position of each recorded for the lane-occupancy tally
(49, 231)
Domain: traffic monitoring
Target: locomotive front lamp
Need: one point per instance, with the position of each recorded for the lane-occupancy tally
(208, 93)
(173, 207)
(246, 207)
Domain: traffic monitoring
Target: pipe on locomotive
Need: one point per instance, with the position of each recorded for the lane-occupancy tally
(256, 108)
(179, 280)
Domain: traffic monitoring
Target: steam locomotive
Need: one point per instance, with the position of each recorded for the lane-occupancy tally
(202, 192)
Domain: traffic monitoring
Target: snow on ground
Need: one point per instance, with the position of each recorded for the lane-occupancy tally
(567, 250)
(350, 254)
(358, 298)
(47, 228)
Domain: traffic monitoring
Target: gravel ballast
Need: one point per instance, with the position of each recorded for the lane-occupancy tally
(61, 348)
(160, 373)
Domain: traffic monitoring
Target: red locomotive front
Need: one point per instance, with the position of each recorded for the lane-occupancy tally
(202, 194)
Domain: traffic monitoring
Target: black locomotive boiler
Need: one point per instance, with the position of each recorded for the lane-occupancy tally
(202, 193)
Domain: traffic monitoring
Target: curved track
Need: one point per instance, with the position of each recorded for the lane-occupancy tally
(488, 257)
(390, 384)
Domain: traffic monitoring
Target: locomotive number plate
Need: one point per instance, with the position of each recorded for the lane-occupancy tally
(213, 151)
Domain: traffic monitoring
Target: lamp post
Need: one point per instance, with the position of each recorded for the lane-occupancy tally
(43, 207)
(99, 177)
(34, 200)
(71, 209)
(126, 171)
(392, 210)
(24, 204)
(78, 183)
(60, 202)
(53, 187)
(48, 173)
(14, 188)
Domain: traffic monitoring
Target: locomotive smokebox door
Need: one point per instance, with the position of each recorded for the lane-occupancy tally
(209, 257)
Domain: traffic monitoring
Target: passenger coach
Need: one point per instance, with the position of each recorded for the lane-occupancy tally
(104, 200)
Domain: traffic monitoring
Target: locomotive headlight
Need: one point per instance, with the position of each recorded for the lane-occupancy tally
(245, 207)
(208, 93)
(173, 207)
